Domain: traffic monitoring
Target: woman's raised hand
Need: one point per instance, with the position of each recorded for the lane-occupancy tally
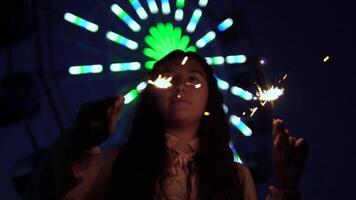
(113, 112)
(289, 157)
(99, 117)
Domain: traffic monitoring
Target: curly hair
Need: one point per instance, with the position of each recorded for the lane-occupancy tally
(142, 164)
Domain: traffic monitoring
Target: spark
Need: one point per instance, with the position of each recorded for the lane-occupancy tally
(161, 82)
(192, 84)
(262, 62)
(244, 113)
(326, 58)
(253, 110)
(269, 95)
(206, 113)
(285, 76)
(184, 60)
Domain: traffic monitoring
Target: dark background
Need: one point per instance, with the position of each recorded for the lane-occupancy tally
(293, 37)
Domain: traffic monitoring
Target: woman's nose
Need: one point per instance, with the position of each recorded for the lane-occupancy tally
(180, 87)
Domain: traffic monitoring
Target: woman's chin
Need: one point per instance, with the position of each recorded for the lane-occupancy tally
(180, 116)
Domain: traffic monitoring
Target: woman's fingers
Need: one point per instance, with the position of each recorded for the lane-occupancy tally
(118, 104)
(280, 135)
(114, 110)
(277, 127)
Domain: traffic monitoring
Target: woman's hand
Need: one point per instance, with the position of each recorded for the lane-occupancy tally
(289, 156)
(97, 120)
(113, 112)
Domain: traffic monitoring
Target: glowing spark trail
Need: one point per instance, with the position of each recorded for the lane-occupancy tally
(253, 110)
(326, 59)
(184, 60)
(161, 82)
(285, 77)
(197, 86)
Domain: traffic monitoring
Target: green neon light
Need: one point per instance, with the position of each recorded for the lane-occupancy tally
(130, 96)
(163, 39)
(180, 3)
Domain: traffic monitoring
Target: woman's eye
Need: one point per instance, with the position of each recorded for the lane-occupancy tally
(193, 79)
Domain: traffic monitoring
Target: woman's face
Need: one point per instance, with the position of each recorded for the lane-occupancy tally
(185, 101)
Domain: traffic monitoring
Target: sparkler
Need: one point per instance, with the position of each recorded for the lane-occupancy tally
(161, 82)
(269, 95)
(263, 96)
(165, 83)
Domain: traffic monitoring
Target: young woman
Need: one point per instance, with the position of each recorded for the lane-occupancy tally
(178, 147)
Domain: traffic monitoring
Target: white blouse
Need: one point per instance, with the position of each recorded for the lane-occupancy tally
(96, 173)
(175, 185)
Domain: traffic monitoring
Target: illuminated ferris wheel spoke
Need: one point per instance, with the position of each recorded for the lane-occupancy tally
(141, 86)
(237, 158)
(152, 5)
(85, 69)
(179, 14)
(78, 21)
(180, 3)
(226, 24)
(122, 40)
(152, 53)
(154, 45)
(155, 33)
(149, 64)
(244, 94)
(236, 59)
(192, 49)
(135, 92)
(166, 7)
(183, 44)
(207, 38)
(239, 124)
(141, 12)
(194, 20)
(164, 33)
(216, 60)
(169, 32)
(121, 67)
(131, 96)
(220, 60)
(177, 34)
(237, 91)
(121, 14)
(223, 85)
(203, 3)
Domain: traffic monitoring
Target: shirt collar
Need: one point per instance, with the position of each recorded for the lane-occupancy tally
(171, 142)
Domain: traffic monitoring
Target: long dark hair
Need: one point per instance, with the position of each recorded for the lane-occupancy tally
(142, 165)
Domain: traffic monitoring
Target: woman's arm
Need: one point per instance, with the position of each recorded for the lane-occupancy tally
(75, 159)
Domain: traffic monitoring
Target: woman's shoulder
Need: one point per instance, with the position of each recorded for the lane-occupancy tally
(246, 181)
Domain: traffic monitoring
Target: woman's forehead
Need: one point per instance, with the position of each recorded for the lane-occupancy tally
(185, 64)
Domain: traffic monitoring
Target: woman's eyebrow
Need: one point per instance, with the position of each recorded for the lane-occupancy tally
(196, 71)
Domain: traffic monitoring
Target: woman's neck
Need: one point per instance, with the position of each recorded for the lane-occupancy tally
(184, 135)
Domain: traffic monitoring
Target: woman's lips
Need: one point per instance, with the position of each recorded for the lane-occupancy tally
(180, 101)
